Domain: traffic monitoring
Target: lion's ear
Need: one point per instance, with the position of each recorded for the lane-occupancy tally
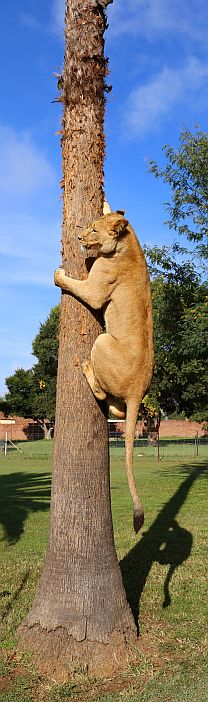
(122, 212)
(119, 224)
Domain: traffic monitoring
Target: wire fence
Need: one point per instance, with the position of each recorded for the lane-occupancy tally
(152, 447)
(159, 448)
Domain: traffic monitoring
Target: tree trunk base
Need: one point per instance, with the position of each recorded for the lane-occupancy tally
(58, 655)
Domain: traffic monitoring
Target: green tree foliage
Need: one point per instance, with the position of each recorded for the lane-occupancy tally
(180, 306)
(180, 383)
(194, 359)
(32, 393)
(186, 173)
(19, 399)
(45, 345)
(45, 348)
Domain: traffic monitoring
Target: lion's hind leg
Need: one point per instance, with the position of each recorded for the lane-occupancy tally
(88, 371)
(116, 407)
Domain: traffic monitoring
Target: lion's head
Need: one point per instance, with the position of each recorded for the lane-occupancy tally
(102, 235)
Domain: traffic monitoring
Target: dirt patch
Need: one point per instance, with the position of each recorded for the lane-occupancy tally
(154, 650)
(6, 681)
(62, 655)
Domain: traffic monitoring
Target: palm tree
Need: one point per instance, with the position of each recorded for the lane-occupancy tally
(80, 612)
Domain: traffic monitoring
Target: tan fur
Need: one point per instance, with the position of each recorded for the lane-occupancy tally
(121, 364)
(106, 207)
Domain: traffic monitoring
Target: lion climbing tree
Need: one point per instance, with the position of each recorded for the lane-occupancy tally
(80, 613)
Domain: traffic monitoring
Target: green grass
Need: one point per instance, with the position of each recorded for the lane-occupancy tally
(164, 573)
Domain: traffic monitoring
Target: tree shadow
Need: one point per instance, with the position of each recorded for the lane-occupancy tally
(15, 596)
(165, 542)
(20, 494)
(33, 432)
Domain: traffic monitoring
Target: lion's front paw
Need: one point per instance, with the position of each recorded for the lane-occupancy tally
(58, 276)
(86, 367)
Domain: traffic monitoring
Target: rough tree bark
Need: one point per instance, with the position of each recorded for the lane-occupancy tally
(80, 612)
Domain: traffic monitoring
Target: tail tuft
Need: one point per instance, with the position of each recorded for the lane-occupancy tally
(138, 519)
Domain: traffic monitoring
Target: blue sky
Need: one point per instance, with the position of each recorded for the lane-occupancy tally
(158, 53)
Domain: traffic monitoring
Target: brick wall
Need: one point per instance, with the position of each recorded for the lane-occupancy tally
(22, 430)
(180, 428)
(173, 428)
(25, 429)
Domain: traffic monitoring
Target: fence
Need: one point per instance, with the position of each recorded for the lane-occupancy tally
(158, 447)
(152, 447)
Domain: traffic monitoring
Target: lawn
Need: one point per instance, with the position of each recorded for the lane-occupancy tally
(164, 573)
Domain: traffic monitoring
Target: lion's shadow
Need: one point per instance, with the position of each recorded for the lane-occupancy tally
(165, 542)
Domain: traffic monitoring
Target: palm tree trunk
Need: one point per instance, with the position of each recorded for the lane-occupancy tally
(80, 612)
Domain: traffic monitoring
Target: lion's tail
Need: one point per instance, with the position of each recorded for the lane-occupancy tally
(131, 418)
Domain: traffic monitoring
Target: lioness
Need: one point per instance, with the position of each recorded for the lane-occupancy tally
(121, 364)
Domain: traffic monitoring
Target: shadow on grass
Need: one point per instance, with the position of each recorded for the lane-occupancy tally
(165, 542)
(20, 494)
(9, 606)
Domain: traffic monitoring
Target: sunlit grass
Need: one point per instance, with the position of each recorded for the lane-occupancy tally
(164, 573)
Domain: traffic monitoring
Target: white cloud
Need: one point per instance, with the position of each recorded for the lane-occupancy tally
(23, 166)
(150, 103)
(148, 18)
(30, 250)
(29, 20)
(15, 352)
(12, 346)
(157, 17)
(54, 23)
(57, 16)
